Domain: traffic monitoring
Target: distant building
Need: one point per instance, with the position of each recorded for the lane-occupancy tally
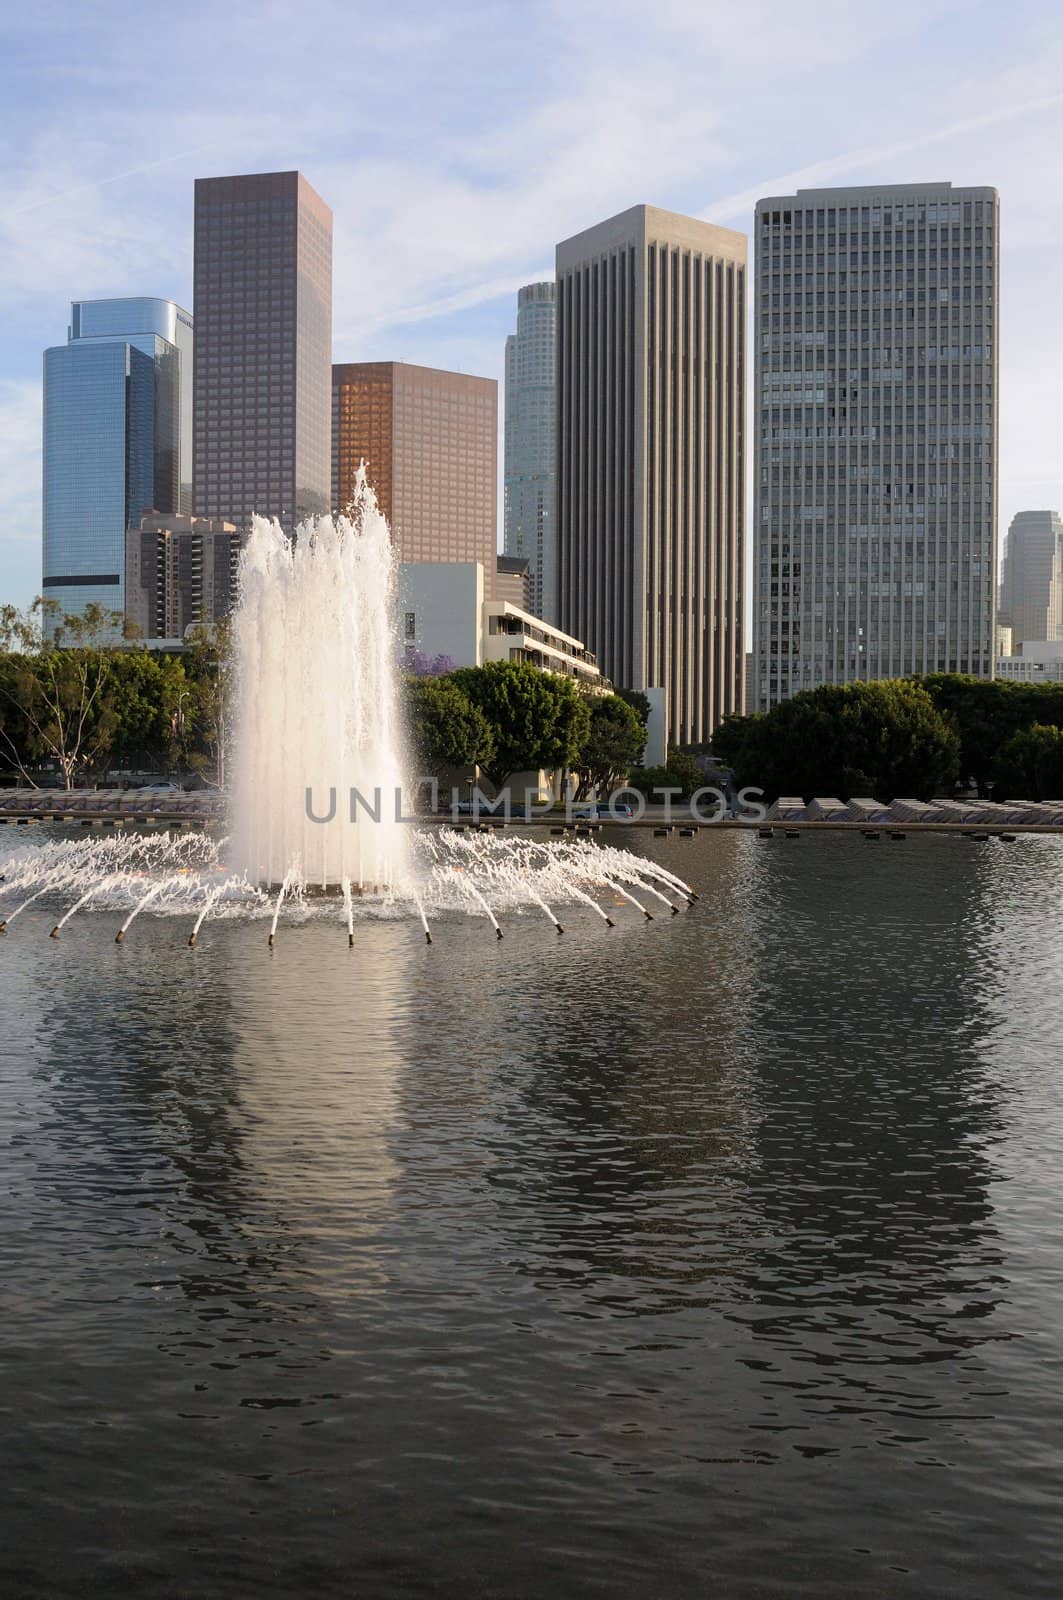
(1039, 661)
(117, 441)
(513, 581)
(263, 299)
(445, 612)
(429, 440)
(1004, 636)
(180, 573)
(530, 457)
(651, 439)
(1031, 588)
(877, 407)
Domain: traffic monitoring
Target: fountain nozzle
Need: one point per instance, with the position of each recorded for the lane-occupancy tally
(350, 941)
(648, 915)
(55, 932)
(559, 928)
(191, 941)
(3, 926)
(269, 941)
(119, 936)
(427, 937)
(498, 931)
(609, 922)
(675, 911)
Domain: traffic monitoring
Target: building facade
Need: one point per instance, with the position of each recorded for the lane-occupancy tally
(446, 613)
(263, 357)
(180, 574)
(117, 441)
(1031, 587)
(1038, 661)
(650, 491)
(530, 453)
(876, 379)
(429, 441)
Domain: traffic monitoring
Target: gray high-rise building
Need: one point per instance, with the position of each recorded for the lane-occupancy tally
(650, 494)
(117, 441)
(876, 373)
(263, 363)
(530, 460)
(1031, 588)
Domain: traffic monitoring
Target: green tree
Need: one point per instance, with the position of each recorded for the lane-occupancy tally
(446, 729)
(639, 703)
(59, 689)
(200, 715)
(680, 771)
(885, 739)
(988, 713)
(539, 719)
(614, 744)
(1030, 766)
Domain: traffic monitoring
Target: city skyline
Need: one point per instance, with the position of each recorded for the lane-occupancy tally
(455, 177)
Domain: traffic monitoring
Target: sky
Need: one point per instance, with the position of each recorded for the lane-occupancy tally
(457, 144)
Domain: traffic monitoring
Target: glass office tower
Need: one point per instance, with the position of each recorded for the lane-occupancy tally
(263, 299)
(531, 444)
(877, 420)
(117, 441)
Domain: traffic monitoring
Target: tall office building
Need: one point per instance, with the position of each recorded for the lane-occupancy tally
(1031, 589)
(263, 361)
(429, 440)
(651, 377)
(876, 451)
(530, 466)
(117, 441)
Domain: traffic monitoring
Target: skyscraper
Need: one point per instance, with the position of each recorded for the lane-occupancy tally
(651, 373)
(116, 441)
(263, 298)
(1031, 589)
(876, 449)
(429, 440)
(530, 468)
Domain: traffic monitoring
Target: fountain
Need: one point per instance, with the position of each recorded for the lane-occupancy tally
(316, 812)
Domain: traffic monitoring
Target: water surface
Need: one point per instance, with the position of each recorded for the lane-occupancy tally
(712, 1256)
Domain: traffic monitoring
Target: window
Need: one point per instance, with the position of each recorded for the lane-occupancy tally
(411, 625)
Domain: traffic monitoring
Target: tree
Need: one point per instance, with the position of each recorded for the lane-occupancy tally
(60, 694)
(200, 720)
(680, 771)
(639, 703)
(1030, 766)
(614, 744)
(539, 719)
(446, 729)
(988, 713)
(885, 739)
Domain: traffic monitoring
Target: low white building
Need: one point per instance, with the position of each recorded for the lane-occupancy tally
(1041, 661)
(445, 621)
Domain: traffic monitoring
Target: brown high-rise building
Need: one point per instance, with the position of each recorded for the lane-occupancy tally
(429, 441)
(263, 288)
(650, 431)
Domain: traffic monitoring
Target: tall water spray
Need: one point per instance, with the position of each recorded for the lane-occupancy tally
(316, 704)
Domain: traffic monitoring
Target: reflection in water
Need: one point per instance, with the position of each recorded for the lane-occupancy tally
(610, 1264)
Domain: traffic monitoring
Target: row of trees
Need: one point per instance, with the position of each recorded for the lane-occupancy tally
(76, 705)
(903, 738)
(507, 717)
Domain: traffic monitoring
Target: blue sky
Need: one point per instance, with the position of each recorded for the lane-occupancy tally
(456, 144)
